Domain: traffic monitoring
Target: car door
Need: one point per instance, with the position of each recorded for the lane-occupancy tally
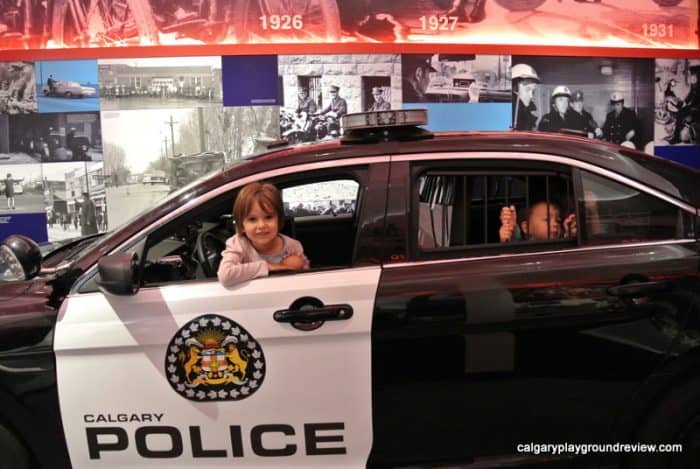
(189, 373)
(482, 347)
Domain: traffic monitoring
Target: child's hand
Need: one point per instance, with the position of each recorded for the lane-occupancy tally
(293, 262)
(570, 226)
(276, 267)
(508, 217)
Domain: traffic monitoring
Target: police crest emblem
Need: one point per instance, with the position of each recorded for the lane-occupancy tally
(212, 358)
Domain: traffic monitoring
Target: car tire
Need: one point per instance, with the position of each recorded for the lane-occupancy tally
(13, 454)
(68, 94)
(675, 420)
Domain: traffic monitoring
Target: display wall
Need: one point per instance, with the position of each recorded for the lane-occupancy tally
(121, 127)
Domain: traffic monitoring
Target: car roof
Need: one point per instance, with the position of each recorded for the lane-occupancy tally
(670, 178)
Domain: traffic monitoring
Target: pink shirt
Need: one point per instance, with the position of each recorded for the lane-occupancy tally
(240, 261)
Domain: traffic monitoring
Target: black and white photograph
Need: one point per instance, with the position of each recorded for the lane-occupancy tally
(74, 194)
(150, 153)
(53, 138)
(319, 89)
(159, 82)
(452, 78)
(677, 110)
(21, 189)
(602, 98)
(17, 88)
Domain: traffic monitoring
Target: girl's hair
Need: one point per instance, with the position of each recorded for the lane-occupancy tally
(265, 194)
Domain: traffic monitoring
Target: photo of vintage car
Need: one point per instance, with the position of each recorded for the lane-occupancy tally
(68, 89)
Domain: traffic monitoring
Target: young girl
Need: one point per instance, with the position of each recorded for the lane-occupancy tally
(258, 248)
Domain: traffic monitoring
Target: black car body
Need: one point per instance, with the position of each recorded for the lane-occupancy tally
(472, 348)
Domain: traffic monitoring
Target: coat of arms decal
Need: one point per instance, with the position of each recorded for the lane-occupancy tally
(212, 358)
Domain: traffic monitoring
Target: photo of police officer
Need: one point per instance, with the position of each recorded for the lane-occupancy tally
(619, 98)
(621, 122)
(524, 82)
(581, 120)
(677, 116)
(560, 115)
(318, 90)
(456, 78)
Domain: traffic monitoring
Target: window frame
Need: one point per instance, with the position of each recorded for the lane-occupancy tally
(483, 166)
(354, 169)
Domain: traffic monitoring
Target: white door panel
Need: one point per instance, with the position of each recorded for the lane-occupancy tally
(314, 398)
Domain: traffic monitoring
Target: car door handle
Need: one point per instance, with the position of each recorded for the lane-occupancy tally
(311, 315)
(639, 289)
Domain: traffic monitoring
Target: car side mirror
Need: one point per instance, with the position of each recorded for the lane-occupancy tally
(22, 257)
(117, 273)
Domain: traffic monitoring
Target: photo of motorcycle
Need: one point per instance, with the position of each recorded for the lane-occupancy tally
(302, 127)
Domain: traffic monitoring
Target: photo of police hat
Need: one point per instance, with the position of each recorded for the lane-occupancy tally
(377, 90)
(335, 88)
(577, 96)
(616, 97)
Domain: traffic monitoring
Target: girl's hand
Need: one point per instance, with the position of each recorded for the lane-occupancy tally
(293, 262)
(508, 217)
(274, 267)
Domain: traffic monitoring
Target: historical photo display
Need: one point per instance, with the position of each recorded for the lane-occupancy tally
(67, 85)
(74, 194)
(53, 137)
(150, 153)
(157, 83)
(21, 189)
(452, 78)
(603, 98)
(17, 88)
(319, 89)
(677, 94)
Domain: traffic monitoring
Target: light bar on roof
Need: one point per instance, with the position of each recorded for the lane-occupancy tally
(379, 119)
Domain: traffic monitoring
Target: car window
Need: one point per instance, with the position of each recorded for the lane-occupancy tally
(189, 247)
(460, 209)
(619, 213)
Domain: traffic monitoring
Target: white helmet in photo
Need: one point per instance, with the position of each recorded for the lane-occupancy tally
(524, 71)
(561, 90)
(616, 97)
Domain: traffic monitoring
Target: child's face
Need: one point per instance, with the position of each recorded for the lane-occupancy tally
(536, 227)
(260, 227)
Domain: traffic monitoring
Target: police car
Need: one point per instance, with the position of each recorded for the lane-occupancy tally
(418, 336)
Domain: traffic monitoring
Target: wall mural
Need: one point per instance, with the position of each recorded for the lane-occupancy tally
(33, 24)
(88, 144)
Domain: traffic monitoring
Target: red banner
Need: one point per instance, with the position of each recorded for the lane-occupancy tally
(652, 24)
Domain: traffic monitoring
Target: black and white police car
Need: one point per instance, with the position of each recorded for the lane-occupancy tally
(416, 338)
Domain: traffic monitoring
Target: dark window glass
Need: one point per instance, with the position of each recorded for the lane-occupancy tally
(615, 212)
(466, 209)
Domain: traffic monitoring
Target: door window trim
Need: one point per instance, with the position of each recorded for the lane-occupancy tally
(557, 159)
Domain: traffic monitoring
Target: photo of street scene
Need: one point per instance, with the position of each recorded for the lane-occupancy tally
(319, 89)
(609, 99)
(17, 88)
(51, 138)
(157, 83)
(453, 78)
(74, 196)
(21, 188)
(67, 85)
(150, 153)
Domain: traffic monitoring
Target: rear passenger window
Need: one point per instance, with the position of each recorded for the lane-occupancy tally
(464, 209)
(618, 213)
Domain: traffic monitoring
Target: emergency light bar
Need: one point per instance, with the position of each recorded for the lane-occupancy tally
(379, 119)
